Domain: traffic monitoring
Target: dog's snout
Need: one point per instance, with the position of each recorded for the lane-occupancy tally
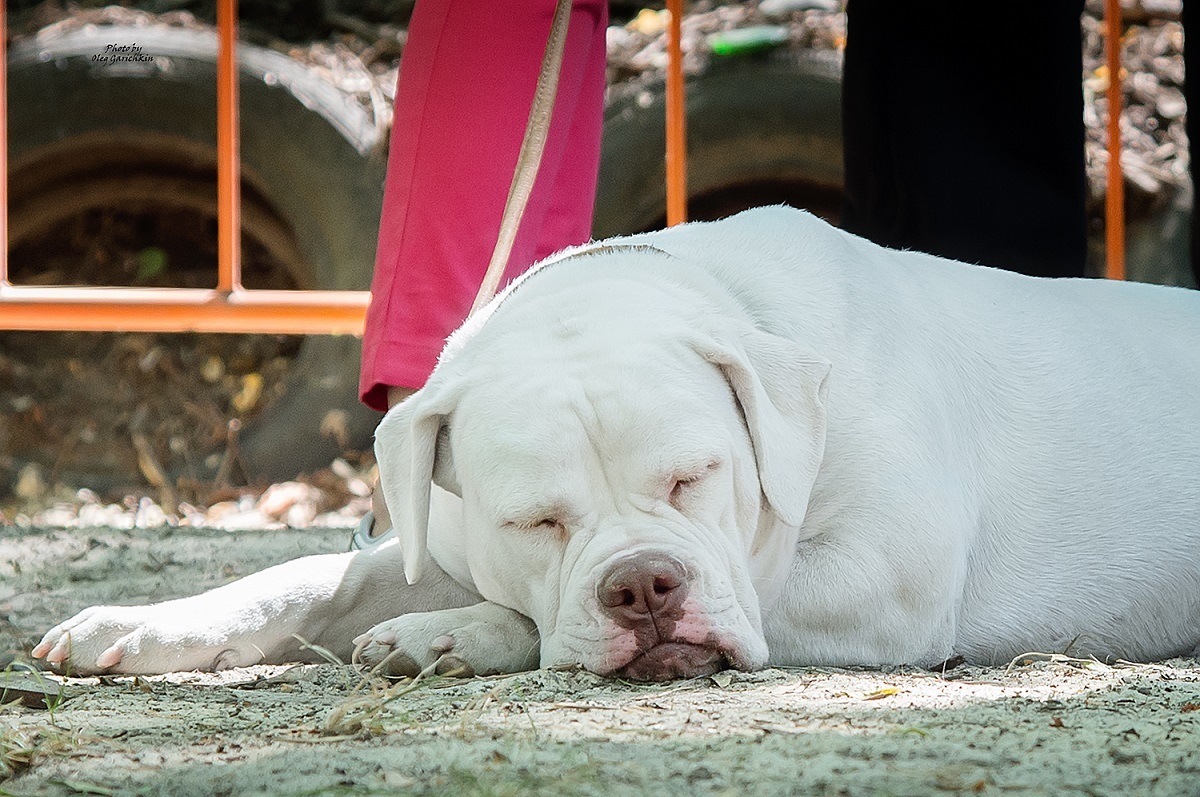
(641, 585)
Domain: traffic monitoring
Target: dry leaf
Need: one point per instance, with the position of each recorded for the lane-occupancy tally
(722, 679)
(248, 396)
(649, 22)
(881, 693)
(336, 424)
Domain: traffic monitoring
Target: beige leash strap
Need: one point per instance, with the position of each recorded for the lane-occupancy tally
(530, 158)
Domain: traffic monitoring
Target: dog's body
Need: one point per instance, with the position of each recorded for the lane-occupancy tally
(756, 441)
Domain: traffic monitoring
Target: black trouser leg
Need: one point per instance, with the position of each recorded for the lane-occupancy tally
(964, 133)
(1191, 92)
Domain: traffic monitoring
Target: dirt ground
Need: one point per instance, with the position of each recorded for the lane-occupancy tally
(1042, 726)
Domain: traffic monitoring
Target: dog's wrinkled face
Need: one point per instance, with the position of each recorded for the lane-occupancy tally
(619, 518)
(631, 482)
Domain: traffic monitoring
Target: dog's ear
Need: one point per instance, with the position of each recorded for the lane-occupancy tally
(781, 388)
(407, 443)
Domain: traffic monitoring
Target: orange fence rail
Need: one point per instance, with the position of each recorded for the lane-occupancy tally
(1114, 199)
(229, 157)
(676, 118)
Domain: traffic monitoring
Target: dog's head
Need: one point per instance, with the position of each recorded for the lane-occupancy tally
(633, 473)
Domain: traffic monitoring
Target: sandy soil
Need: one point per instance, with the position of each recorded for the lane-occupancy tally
(1042, 726)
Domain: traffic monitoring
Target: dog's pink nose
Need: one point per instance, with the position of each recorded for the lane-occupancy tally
(642, 585)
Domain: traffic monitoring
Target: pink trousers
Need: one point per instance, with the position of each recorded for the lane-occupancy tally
(467, 80)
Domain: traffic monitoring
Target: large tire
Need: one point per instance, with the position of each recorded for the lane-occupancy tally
(760, 129)
(311, 183)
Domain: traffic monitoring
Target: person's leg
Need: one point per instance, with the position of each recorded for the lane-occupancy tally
(466, 82)
(964, 133)
(1191, 90)
(445, 192)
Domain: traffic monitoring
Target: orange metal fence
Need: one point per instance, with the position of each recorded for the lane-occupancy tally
(231, 308)
(227, 308)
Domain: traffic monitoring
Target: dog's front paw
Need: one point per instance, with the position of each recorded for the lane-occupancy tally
(484, 639)
(95, 640)
(136, 640)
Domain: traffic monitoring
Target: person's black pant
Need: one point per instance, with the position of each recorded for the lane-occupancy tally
(963, 131)
(1191, 92)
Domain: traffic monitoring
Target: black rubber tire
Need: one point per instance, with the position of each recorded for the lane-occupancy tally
(760, 129)
(309, 154)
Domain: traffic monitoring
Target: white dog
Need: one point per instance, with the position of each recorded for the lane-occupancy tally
(755, 441)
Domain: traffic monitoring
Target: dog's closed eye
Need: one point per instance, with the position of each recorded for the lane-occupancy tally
(682, 483)
(535, 524)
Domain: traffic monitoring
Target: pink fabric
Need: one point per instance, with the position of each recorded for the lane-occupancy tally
(467, 80)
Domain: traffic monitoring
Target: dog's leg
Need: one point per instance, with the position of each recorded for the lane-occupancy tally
(483, 639)
(327, 599)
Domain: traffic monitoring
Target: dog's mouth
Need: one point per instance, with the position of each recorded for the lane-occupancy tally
(673, 660)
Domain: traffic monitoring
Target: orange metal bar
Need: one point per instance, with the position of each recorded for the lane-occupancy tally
(676, 136)
(182, 310)
(229, 200)
(1114, 203)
